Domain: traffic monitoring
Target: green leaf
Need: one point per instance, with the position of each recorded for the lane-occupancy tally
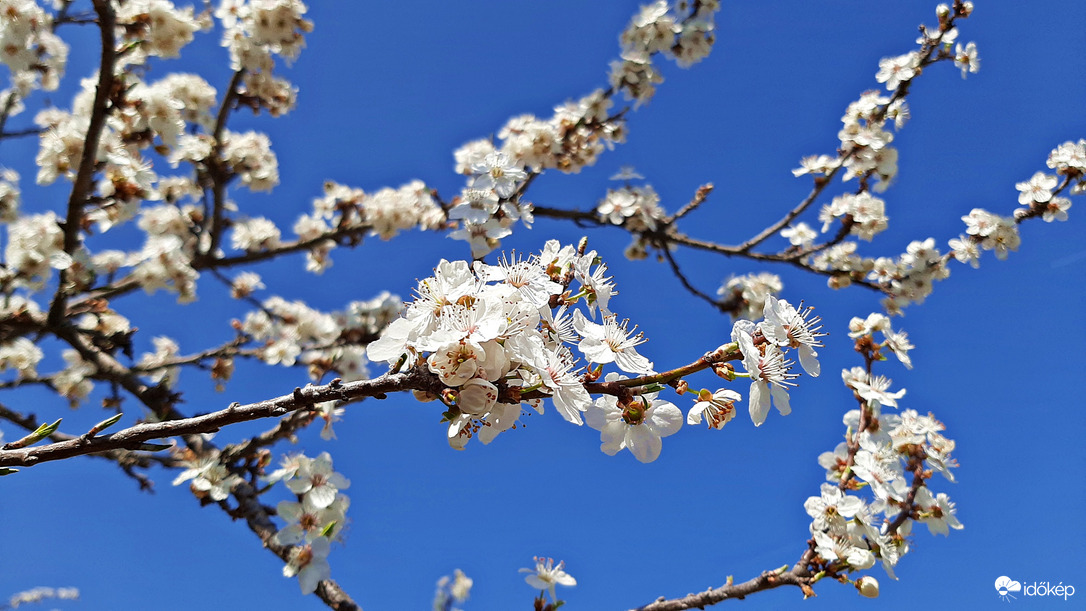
(105, 424)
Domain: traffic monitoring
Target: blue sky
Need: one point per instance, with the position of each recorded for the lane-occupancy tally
(387, 92)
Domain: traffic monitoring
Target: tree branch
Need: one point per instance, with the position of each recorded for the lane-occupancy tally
(82, 185)
(134, 436)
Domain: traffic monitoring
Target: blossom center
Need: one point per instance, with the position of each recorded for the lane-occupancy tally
(634, 413)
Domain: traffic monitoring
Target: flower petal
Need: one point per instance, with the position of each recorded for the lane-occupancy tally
(643, 443)
(664, 418)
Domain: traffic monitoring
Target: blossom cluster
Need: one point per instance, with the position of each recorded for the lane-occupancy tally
(479, 326)
(314, 520)
(290, 332)
(635, 208)
(908, 278)
(866, 153)
(488, 206)
(35, 55)
(452, 590)
(685, 35)
(38, 594)
(384, 213)
(254, 31)
(156, 28)
(746, 295)
(497, 336)
(578, 131)
(890, 455)
(173, 118)
(764, 345)
(210, 478)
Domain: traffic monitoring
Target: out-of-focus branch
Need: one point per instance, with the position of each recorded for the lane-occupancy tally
(284, 429)
(9, 104)
(216, 166)
(83, 180)
(339, 235)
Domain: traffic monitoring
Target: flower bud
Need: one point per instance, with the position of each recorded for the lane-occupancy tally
(868, 586)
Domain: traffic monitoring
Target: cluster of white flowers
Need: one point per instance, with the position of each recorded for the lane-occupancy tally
(635, 208)
(747, 294)
(22, 355)
(494, 333)
(254, 234)
(166, 107)
(175, 116)
(254, 31)
(73, 382)
(286, 327)
(10, 195)
(245, 284)
(157, 27)
(1069, 159)
(451, 590)
(577, 133)
(488, 208)
(126, 178)
(909, 277)
(35, 248)
(165, 261)
(314, 520)
(29, 48)
(887, 452)
(865, 141)
(660, 28)
(985, 231)
(639, 423)
(764, 346)
(866, 214)
(895, 341)
(250, 157)
(508, 324)
(210, 479)
(165, 350)
(37, 595)
(865, 152)
(291, 331)
(384, 213)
